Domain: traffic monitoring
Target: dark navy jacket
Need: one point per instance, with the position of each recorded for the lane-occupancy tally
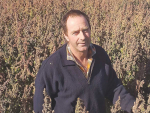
(65, 82)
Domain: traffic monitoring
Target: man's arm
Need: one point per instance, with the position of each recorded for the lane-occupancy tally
(115, 90)
(38, 99)
(44, 79)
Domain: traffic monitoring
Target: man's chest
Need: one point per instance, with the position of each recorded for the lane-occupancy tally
(73, 80)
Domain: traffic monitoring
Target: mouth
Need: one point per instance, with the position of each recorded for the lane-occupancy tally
(82, 43)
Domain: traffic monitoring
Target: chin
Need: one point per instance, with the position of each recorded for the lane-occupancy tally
(83, 49)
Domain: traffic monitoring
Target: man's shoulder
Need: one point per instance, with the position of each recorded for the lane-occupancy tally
(55, 57)
(99, 49)
(101, 54)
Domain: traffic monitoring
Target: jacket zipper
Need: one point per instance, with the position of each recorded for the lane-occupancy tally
(91, 69)
(82, 72)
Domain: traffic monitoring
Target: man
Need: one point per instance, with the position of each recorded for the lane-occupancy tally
(79, 69)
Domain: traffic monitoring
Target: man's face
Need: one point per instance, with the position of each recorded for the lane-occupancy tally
(79, 34)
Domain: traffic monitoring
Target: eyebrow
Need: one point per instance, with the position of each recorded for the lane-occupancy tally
(86, 28)
(74, 31)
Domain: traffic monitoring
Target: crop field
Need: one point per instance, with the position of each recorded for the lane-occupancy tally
(30, 31)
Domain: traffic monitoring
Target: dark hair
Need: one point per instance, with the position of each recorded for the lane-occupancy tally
(72, 13)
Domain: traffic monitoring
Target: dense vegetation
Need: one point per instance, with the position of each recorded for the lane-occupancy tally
(30, 31)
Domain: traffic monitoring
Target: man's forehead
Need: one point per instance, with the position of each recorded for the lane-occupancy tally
(77, 28)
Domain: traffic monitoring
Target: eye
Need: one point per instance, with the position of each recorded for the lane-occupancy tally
(75, 33)
(85, 30)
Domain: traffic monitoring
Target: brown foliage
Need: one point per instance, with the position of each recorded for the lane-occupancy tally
(30, 31)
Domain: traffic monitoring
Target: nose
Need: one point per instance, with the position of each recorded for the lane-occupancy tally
(82, 35)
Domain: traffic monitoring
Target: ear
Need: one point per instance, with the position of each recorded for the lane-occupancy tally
(66, 37)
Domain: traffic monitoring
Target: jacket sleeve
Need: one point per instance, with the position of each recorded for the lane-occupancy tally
(44, 79)
(38, 99)
(115, 89)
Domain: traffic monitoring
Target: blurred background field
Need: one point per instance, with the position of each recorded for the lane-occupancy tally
(30, 31)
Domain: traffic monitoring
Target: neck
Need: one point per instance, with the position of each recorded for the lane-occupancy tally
(80, 56)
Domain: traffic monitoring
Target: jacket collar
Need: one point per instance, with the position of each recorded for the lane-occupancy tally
(63, 57)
